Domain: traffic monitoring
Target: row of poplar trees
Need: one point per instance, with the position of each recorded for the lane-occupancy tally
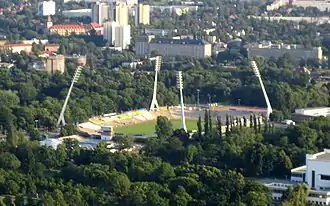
(231, 123)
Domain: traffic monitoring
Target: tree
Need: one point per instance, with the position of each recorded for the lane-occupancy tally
(255, 124)
(199, 128)
(20, 200)
(47, 200)
(251, 121)
(59, 198)
(244, 121)
(219, 124)
(206, 124)
(227, 125)
(253, 198)
(297, 196)
(124, 142)
(9, 161)
(163, 127)
(210, 120)
(8, 200)
(181, 197)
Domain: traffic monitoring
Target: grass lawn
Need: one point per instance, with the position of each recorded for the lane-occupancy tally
(148, 128)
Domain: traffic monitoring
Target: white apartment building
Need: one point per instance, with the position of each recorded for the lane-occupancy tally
(142, 14)
(316, 174)
(100, 12)
(46, 8)
(173, 47)
(117, 35)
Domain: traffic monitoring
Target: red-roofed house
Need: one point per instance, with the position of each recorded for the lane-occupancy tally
(95, 26)
(67, 29)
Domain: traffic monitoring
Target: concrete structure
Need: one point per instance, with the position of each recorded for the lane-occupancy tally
(322, 5)
(100, 12)
(318, 20)
(308, 114)
(121, 14)
(257, 73)
(16, 48)
(179, 83)
(173, 47)
(142, 14)
(154, 103)
(117, 35)
(74, 80)
(296, 52)
(159, 32)
(55, 63)
(52, 47)
(316, 174)
(107, 132)
(47, 8)
(173, 8)
(77, 13)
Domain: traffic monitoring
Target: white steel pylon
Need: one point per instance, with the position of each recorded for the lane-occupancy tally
(179, 83)
(257, 73)
(154, 104)
(74, 80)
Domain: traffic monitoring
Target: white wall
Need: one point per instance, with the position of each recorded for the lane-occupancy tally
(320, 168)
(324, 111)
(47, 8)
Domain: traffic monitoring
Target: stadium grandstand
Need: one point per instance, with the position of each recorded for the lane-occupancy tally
(126, 119)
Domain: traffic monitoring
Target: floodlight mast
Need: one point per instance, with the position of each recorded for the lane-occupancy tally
(154, 104)
(257, 73)
(179, 82)
(74, 80)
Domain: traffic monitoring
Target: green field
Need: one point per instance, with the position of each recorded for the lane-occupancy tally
(148, 128)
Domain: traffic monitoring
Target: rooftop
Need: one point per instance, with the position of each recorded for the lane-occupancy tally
(68, 26)
(301, 169)
(95, 25)
(178, 41)
(15, 45)
(323, 156)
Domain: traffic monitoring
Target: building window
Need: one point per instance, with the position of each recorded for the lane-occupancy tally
(325, 177)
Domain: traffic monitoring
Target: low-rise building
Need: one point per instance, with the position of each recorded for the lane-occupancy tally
(51, 63)
(308, 114)
(296, 52)
(173, 47)
(78, 29)
(67, 29)
(316, 174)
(52, 47)
(55, 63)
(16, 48)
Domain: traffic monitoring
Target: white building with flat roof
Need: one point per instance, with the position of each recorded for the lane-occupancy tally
(315, 112)
(46, 8)
(316, 174)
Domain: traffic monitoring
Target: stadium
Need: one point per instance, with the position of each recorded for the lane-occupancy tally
(142, 122)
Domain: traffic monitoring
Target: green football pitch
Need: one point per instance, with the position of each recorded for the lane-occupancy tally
(148, 128)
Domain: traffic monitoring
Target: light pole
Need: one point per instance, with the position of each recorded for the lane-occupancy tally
(198, 97)
(239, 102)
(209, 98)
(36, 123)
(179, 83)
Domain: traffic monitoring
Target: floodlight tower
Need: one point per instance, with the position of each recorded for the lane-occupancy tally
(179, 83)
(74, 80)
(257, 73)
(154, 104)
